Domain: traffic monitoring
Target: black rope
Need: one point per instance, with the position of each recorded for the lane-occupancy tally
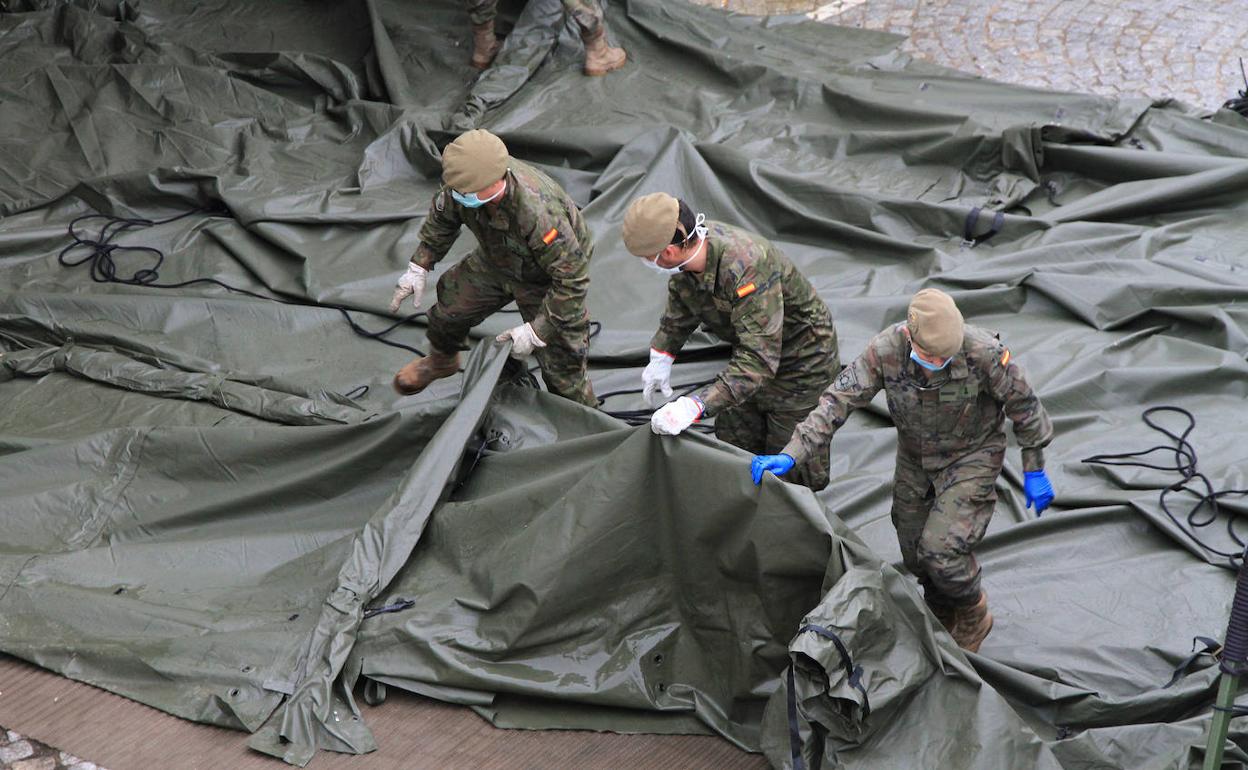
(1185, 465)
(102, 255)
(642, 416)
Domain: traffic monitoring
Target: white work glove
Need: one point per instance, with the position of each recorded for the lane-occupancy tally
(675, 417)
(411, 283)
(657, 376)
(523, 340)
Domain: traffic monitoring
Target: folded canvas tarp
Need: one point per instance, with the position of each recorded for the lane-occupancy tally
(206, 495)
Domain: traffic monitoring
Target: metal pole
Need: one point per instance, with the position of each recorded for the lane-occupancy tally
(1221, 721)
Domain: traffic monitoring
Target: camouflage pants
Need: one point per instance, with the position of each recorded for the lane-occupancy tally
(941, 516)
(764, 428)
(472, 291)
(586, 13)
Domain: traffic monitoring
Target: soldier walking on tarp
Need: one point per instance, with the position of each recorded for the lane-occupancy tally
(600, 56)
(949, 388)
(532, 247)
(744, 291)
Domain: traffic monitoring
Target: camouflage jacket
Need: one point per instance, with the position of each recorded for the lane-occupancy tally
(751, 296)
(939, 418)
(535, 235)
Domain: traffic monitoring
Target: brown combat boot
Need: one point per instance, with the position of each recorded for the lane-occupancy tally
(484, 44)
(422, 372)
(600, 56)
(971, 624)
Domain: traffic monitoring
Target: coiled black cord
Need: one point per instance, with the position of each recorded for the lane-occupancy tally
(1185, 465)
(101, 255)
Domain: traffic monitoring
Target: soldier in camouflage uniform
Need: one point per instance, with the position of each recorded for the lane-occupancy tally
(600, 56)
(745, 292)
(949, 387)
(533, 247)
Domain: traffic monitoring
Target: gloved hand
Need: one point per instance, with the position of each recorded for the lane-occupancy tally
(777, 464)
(657, 376)
(411, 283)
(1038, 490)
(673, 418)
(523, 340)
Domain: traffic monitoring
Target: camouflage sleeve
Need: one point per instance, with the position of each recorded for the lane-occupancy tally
(852, 389)
(439, 231)
(758, 320)
(1009, 386)
(677, 323)
(566, 260)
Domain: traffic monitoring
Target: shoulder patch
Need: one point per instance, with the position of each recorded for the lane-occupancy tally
(550, 236)
(1005, 357)
(746, 290)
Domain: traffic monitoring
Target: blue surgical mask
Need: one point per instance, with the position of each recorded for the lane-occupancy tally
(699, 231)
(929, 366)
(472, 201)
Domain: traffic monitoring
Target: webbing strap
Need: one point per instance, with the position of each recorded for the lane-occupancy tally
(853, 674)
(969, 239)
(1211, 647)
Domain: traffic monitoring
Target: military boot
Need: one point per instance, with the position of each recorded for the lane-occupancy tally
(422, 372)
(600, 56)
(484, 44)
(971, 623)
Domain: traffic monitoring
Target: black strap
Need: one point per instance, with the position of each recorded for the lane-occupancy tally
(1211, 647)
(398, 606)
(795, 735)
(853, 674)
(969, 239)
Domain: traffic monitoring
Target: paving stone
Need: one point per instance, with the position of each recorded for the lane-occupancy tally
(1186, 49)
(16, 750)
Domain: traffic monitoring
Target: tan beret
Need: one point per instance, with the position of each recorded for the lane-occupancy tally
(935, 323)
(650, 223)
(474, 161)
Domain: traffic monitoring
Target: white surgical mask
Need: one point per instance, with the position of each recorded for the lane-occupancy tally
(699, 231)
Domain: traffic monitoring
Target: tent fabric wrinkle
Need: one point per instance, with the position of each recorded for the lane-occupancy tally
(213, 502)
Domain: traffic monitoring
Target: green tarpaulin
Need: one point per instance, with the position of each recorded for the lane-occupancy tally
(206, 496)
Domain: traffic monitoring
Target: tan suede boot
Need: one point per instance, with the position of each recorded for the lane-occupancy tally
(600, 56)
(971, 624)
(484, 44)
(422, 372)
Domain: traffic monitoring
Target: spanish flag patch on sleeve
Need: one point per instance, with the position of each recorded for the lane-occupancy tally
(746, 290)
(1005, 357)
(550, 236)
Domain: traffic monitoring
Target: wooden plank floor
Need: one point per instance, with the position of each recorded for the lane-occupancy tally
(412, 732)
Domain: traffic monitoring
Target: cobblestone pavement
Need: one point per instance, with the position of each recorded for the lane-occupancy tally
(1187, 49)
(19, 753)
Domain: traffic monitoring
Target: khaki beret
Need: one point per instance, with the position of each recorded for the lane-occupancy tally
(650, 223)
(935, 323)
(474, 161)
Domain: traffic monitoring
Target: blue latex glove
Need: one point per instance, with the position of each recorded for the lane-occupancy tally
(777, 464)
(1038, 490)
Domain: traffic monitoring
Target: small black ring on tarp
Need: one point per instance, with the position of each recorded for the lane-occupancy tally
(853, 674)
